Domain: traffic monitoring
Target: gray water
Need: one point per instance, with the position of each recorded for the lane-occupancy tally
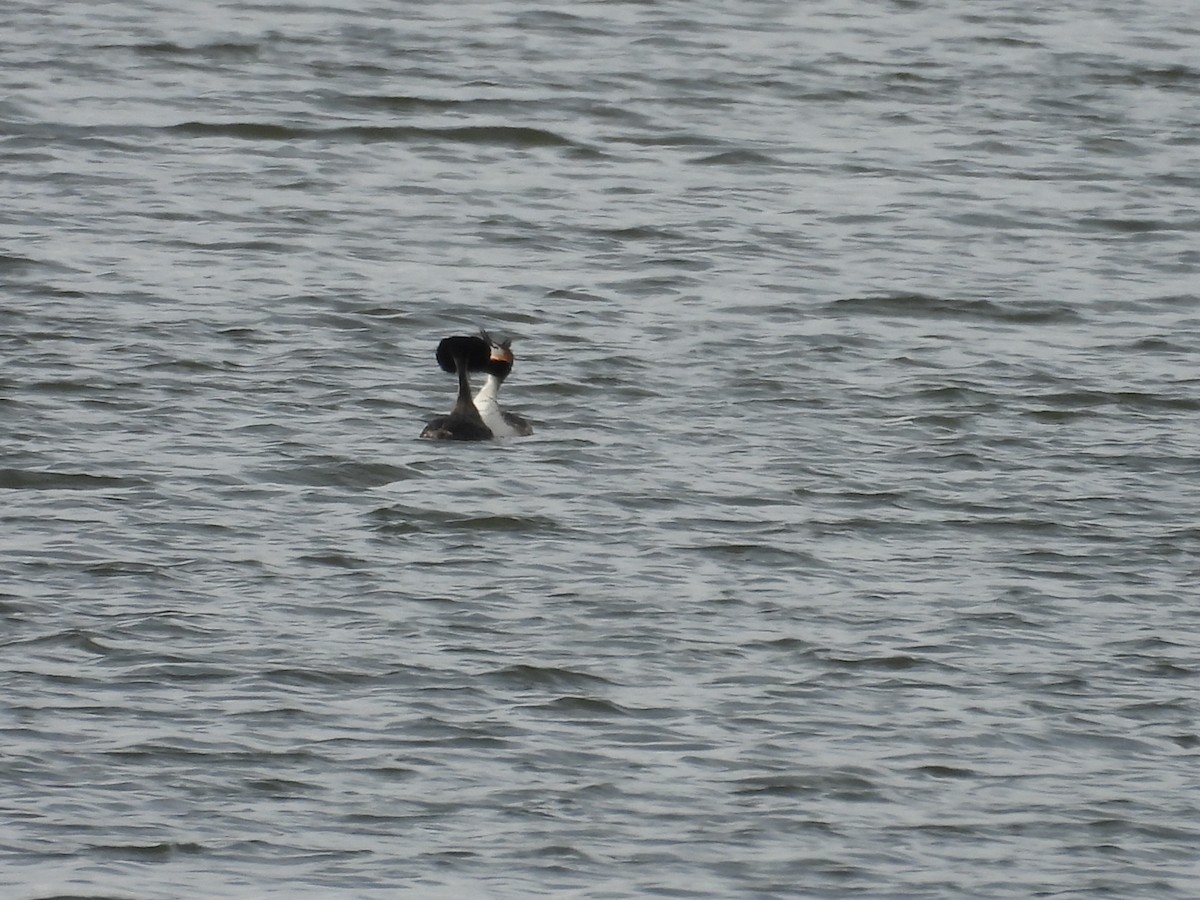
(856, 550)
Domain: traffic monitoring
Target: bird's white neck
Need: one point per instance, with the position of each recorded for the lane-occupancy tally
(487, 393)
(489, 409)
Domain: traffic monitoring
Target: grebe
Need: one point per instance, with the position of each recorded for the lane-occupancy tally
(461, 354)
(482, 418)
(500, 362)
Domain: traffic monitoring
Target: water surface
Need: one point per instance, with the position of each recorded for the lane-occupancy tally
(855, 552)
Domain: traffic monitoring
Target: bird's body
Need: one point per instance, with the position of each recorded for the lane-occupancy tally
(501, 422)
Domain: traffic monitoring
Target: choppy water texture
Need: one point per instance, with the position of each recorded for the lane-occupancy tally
(855, 553)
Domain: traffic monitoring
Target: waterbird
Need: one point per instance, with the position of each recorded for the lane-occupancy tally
(479, 418)
(500, 362)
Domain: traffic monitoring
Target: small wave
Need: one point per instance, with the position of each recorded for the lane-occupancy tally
(527, 677)
(401, 519)
(1172, 77)
(893, 662)
(924, 306)
(1115, 146)
(148, 852)
(507, 523)
(736, 158)
(958, 395)
(73, 638)
(505, 135)
(121, 568)
(23, 480)
(1057, 416)
(217, 50)
(189, 366)
(339, 473)
(942, 771)
(278, 787)
(1132, 226)
(757, 553)
(806, 785)
(16, 263)
(1080, 401)
(404, 103)
(226, 246)
(297, 677)
(515, 136)
(334, 560)
(1149, 345)
(667, 140)
(583, 707)
(628, 233)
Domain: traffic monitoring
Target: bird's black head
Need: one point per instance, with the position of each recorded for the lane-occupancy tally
(474, 351)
